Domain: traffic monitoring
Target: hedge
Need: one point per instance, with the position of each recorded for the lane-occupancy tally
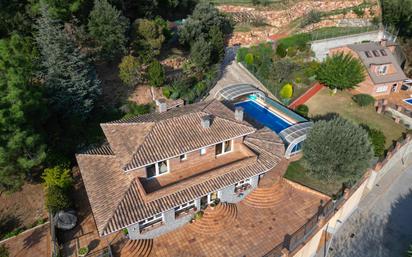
(363, 99)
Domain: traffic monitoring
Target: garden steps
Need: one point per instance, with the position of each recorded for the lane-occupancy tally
(268, 197)
(216, 220)
(134, 248)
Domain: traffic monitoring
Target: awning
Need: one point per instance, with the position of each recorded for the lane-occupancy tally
(233, 91)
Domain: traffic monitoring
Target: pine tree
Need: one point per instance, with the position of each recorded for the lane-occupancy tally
(71, 83)
(21, 146)
(107, 27)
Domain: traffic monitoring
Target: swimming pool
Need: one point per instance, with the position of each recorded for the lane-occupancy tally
(264, 116)
(408, 101)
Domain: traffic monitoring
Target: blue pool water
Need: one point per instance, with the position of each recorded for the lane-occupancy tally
(264, 116)
(408, 101)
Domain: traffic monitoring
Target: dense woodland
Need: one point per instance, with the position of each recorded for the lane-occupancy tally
(50, 91)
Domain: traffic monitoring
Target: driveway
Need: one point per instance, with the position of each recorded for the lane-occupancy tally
(234, 73)
(382, 225)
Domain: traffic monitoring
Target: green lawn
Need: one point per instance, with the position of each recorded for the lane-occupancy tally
(297, 173)
(342, 104)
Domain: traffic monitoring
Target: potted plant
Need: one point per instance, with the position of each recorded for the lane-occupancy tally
(83, 251)
(198, 215)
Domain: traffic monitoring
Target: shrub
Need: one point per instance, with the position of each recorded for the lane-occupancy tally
(57, 199)
(83, 251)
(13, 233)
(377, 138)
(57, 176)
(129, 70)
(134, 109)
(314, 16)
(200, 88)
(299, 40)
(198, 215)
(303, 110)
(281, 50)
(4, 251)
(286, 91)
(359, 11)
(363, 99)
(241, 53)
(156, 74)
(337, 149)
(166, 92)
(292, 51)
(249, 59)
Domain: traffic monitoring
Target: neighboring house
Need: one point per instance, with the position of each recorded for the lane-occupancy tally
(384, 74)
(157, 170)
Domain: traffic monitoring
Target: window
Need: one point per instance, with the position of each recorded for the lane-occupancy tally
(368, 54)
(203, 151)
(224, 147)
(383, 52)
(157, 169)
(151, 220)
(183, 157)
(382, 69)
(381, 89)
(375, 53)
(243, 182)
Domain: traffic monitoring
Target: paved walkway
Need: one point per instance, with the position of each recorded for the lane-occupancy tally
(234, 73)
(381, 226)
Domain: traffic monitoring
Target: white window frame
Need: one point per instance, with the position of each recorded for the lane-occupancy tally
(185, 205)
(243, 182)
(382, 69)
(157, 170)
(209, 196)
(381, 89)
(183, 157)
(155, 217)
(223, 147)
(202, 151)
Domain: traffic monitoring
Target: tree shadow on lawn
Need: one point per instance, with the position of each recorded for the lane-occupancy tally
(8, 223)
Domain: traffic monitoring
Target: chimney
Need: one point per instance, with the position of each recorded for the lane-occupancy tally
(384, 42)
(206, 121)
(239, 113)
(161, 104)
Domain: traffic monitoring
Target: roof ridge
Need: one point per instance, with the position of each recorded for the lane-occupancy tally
(264, 150)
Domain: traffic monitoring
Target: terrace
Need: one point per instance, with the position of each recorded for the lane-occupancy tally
(176, 179)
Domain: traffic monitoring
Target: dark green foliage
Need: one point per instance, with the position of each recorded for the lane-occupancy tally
(217, 41)
(21, 113)
(377, 138)
(397, 14)
(292, 51)
(57, 199)
(71, 84)
(283, 69)
(341, 71)
(359, 11)
(409, 252)
(4, 251)
(148, 37)
(281, 50)
(166, 92)
(133, 109)
(303, 110)
(61, 10)
(107, 27)
(314, 16)
(13, 17)
(337, 149)
(311, 68)
(201, 22)
(200, 54)
(299, 41)
(241, 54)
(363, 99)
(156, 74)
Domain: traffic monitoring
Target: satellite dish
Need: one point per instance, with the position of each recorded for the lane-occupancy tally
(65, 220)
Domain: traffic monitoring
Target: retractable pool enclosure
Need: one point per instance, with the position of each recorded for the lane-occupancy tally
(294, 136)
(231, 92)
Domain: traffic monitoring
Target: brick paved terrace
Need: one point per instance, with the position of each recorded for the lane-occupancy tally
(254, 232)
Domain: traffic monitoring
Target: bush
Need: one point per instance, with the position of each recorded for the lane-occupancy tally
(166, 92)
(156, 74)
(286, 91)
(292, 51)
(359, 11)
(249, 59)
(363, 99)
(314, 16)
(377, 138)
(57, 176)
(200, 88)
(337, 149)
(134, 109)
(129, 70)
(198, 215)
(299, 40)
(241, 54)
(4, 251)
(281, 50)
(57, 199)
(13, 233)
(83, 251)
(303, 110)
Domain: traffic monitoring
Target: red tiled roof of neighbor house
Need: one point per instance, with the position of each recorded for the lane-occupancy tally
(116, 197)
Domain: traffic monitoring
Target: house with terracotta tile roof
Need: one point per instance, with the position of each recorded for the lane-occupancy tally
(156, 170)
(382, 62)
